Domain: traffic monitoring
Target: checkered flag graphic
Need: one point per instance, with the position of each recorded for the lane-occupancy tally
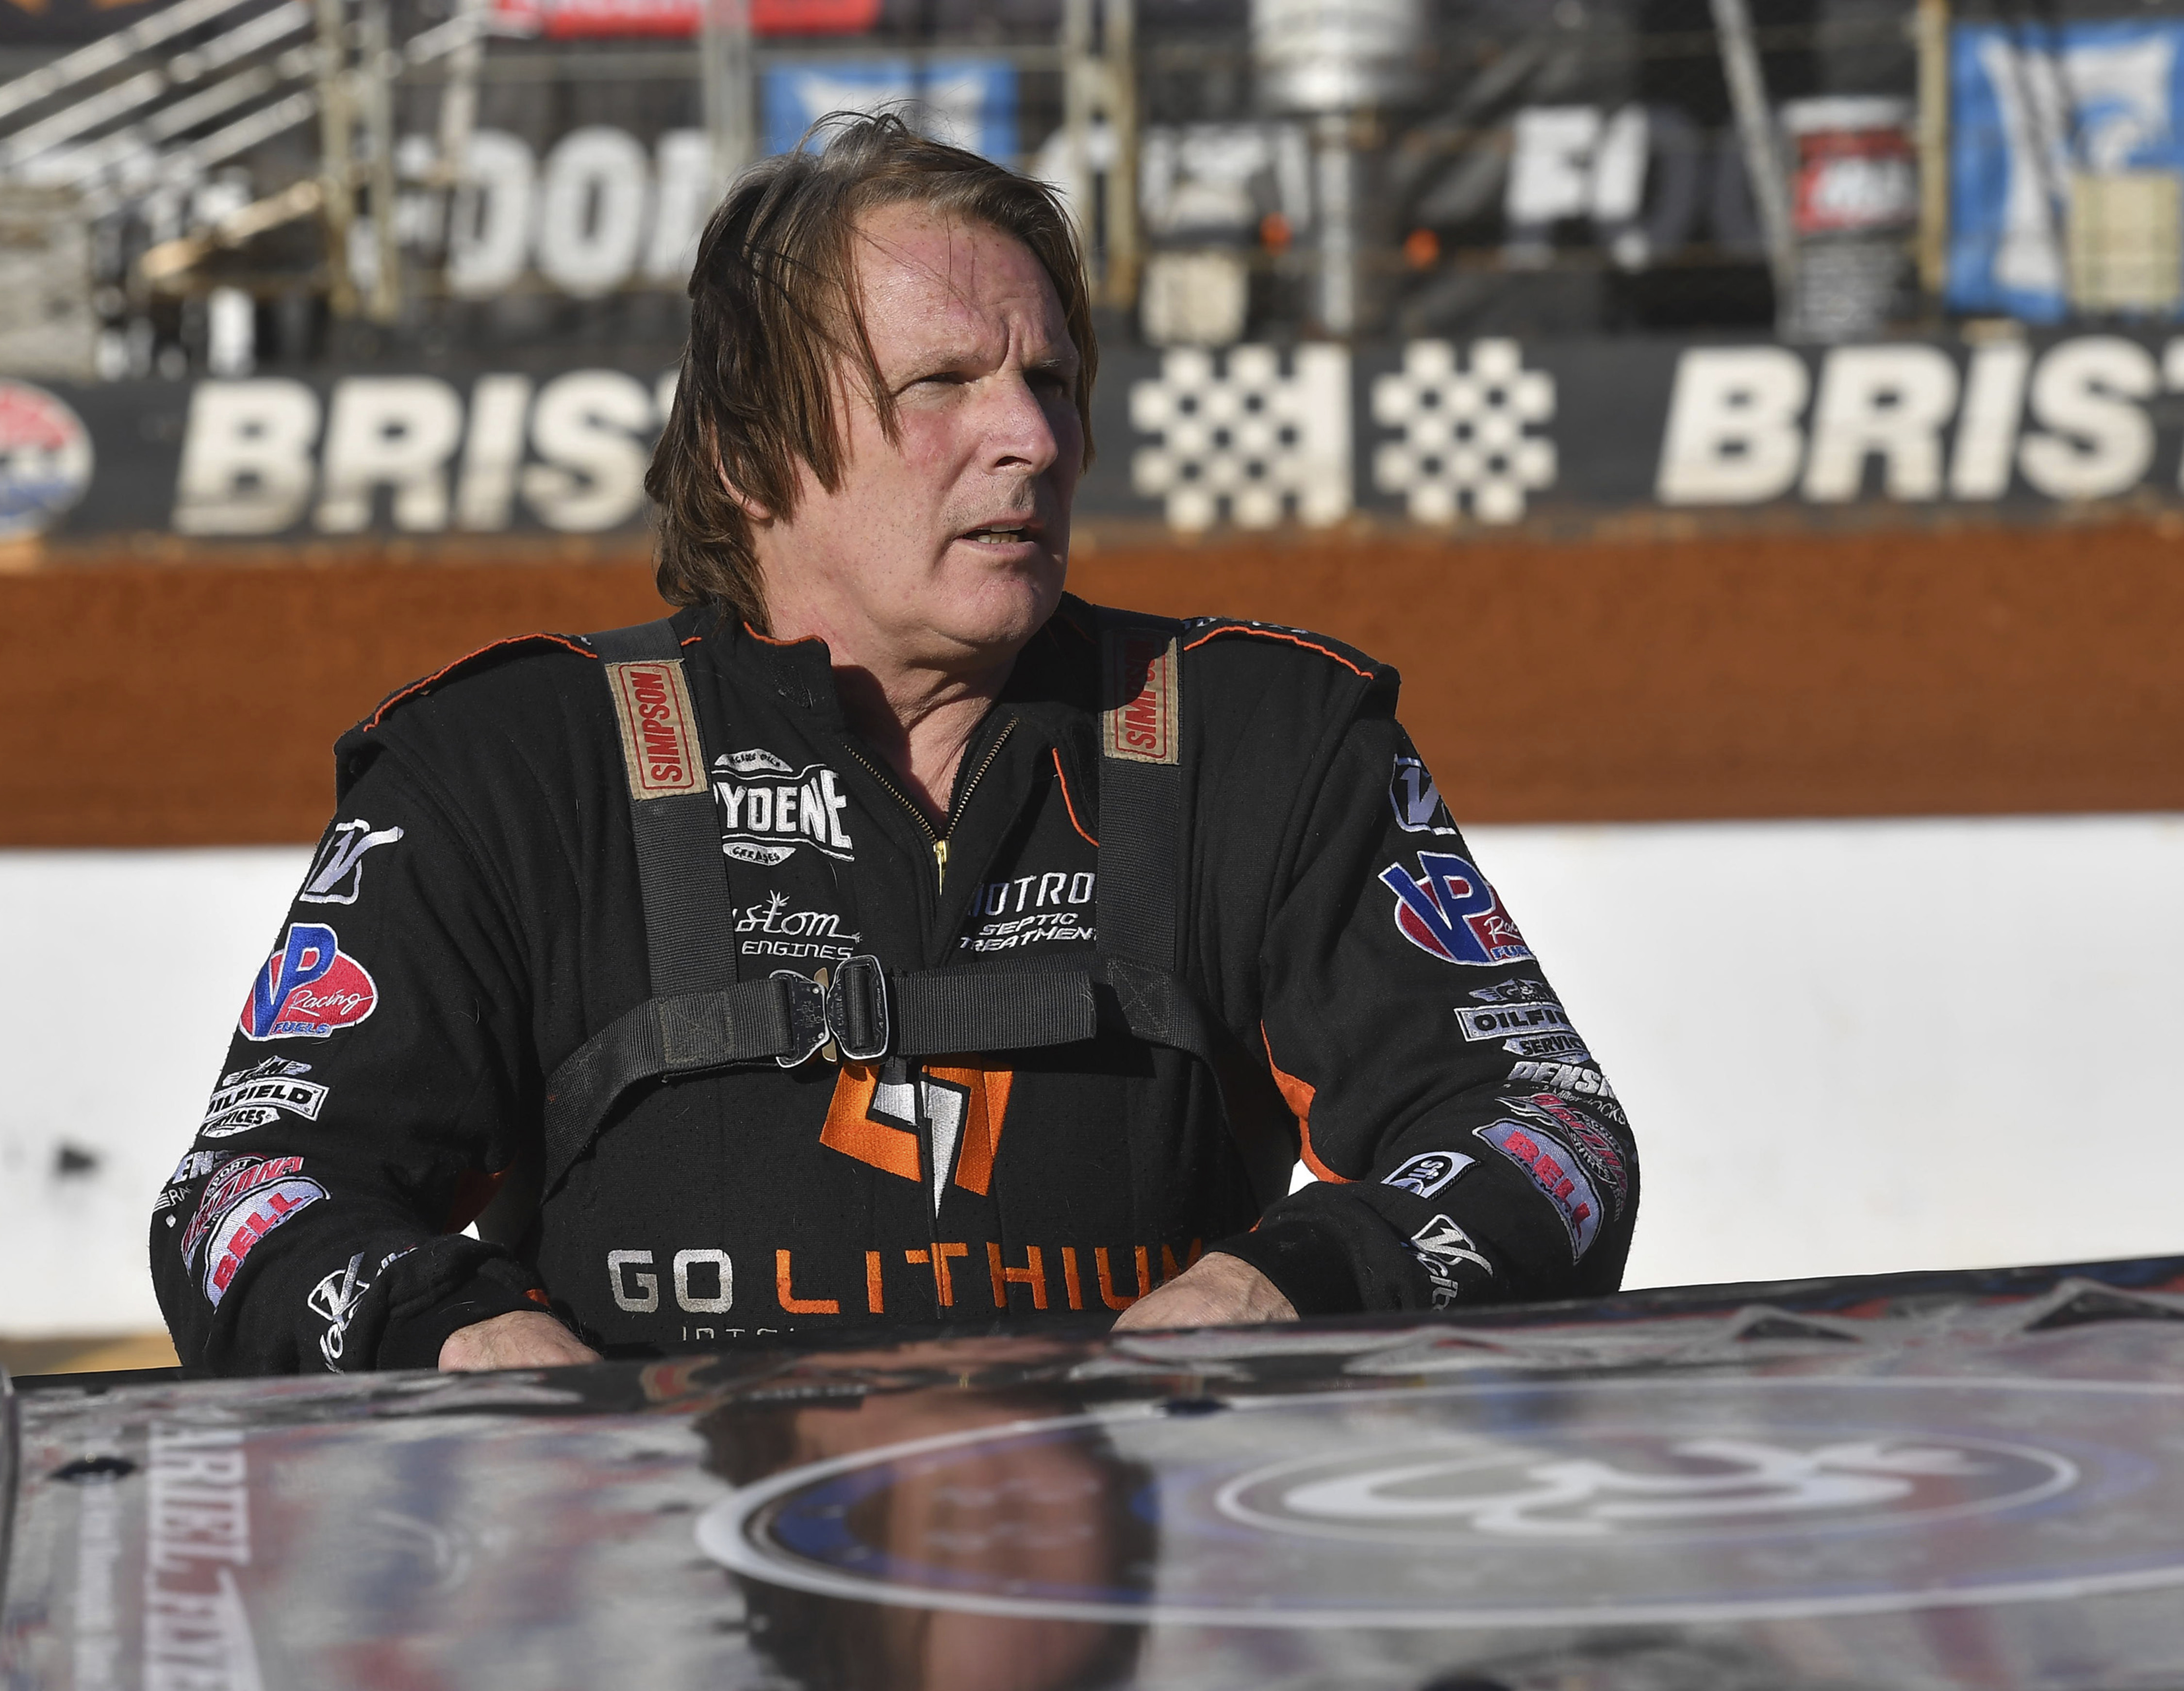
(1250, 437)
(1463, 432)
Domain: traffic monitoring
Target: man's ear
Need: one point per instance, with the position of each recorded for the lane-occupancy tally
(757, 510)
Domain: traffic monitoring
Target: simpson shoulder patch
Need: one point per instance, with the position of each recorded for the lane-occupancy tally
(659, 729)
(1141, 703)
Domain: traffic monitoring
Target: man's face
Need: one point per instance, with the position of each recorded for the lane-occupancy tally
(947, 546)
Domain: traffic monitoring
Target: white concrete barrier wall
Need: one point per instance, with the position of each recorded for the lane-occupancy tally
(1847, 1048)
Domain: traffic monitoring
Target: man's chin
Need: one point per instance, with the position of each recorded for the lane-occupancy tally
(1012, 604)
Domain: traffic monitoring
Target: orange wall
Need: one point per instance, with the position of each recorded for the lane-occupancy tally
(1880, 674)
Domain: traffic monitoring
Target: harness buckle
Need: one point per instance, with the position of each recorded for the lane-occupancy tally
(857, 1009)
(807, 1017)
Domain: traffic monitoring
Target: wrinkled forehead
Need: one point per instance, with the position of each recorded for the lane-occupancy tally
(932, 280)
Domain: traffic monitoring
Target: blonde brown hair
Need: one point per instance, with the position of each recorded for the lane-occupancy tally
(775, 314)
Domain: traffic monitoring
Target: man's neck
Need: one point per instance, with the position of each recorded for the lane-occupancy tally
(919, 715)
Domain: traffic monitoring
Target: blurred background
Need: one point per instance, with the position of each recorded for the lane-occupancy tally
(1753, 427)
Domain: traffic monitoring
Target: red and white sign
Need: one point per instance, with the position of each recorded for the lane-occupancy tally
(573, 19)
(45, 460)
(1856, 171)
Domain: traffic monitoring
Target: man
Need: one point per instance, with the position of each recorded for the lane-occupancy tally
(889, 938)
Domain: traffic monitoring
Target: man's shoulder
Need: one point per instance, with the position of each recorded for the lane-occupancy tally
(1237, 644)
(513, 688)
(1224, 647)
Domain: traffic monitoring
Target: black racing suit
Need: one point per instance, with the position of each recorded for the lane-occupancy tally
(473, 916)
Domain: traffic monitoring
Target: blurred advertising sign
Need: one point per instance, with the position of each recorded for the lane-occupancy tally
(971, 102)
(575, 20)
(1853, 202)
(1479, 435)
(1853, 170)
(2066, 168)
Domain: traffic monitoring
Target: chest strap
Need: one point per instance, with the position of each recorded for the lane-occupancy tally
(701, 1017)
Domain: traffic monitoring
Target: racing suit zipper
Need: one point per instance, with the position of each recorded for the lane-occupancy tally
(963, 798)
(909, 1072)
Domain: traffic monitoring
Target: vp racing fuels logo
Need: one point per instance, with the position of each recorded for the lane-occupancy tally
(338, 876)
(308, 988)
(768, 809)
(1451, 913)
(256, 1097)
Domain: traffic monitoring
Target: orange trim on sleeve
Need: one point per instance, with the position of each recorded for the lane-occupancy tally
(1067, 800)
(439, 674)
(1298, 1095)
(1270, 634)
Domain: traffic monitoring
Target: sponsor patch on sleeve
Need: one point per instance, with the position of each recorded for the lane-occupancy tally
(251, 1197)
(1415, 799)
(194, 1167)
(1556, 1171)
(308, 989)
(1577, 1080)
(259, 1095)
(1449, 911)
(1429, 1171)
(659, 729)
(1594, 1146)
(338, 876)
(236, 1234)
(1438, 1246)
(338, 1298)
(1526, 1021)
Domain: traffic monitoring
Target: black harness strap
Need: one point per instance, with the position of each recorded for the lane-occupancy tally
(1141, 794)
(940, 1012)
(690, 920)
(700, 1017)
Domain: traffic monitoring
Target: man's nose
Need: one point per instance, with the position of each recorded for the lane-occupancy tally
(1019, 436)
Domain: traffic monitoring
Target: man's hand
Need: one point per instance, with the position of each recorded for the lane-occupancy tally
(523, 1339)
(1217, 1291)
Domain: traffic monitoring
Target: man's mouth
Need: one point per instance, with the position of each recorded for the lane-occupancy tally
(1003, 534)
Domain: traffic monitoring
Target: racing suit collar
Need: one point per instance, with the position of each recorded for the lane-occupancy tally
(1054, 679)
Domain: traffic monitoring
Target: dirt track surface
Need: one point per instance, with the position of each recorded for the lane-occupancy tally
(1884, 674)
